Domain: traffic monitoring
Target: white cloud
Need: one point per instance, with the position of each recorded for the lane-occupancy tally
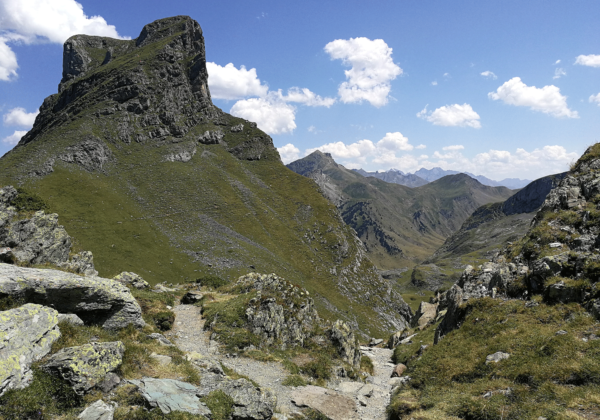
(452, 116)
(14, 138)
(420, 146)
(434, 83)
(547, 99)
(557, 62)
(559, 72)
(33, 21)
(372, 69)
(306, 97)
(359, 150)
(595, 98)
(454, 147)
(588, 60)
(229, 82)
(394, 142)
(447, 76)
(289, 153)
(272, 115)
(20, 117)
(489, 75)
(312, 129)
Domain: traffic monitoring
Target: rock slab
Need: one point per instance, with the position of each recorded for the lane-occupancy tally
(327, 402)
(171, 395)
(26, 335)
(98, 411)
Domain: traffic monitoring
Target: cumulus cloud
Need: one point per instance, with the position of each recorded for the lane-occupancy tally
(588, 60)
(306, 97)
(559, 72)
(228, 82)
(34, 21)
(14, 138)
(20, 117)
(452, 116)
(454, 147)
(272, 115)
(289, 153)
(595, 98)
(420, 146)
(434, 83)
(547, 99)
(489, 75)
(557, 62)
(394, 142)
(371, 69)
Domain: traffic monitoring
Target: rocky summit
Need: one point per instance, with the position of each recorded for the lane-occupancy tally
(152, 178)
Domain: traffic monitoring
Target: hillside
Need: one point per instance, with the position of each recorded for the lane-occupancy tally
(399, 226)
(395, 177)
(151, 177)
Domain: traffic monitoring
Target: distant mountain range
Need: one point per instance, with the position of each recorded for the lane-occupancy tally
(423, 176)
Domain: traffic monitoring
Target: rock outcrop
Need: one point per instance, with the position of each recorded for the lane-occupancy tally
(131, 279)
(26, 335)
(95, 300)
(344, 340)
(85, 367)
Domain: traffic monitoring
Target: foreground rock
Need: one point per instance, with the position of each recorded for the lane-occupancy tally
(95, 300)
(330, 403)
(98, 411)
(171, 395)
(26, 335)
(84, 367)
(342, 337)
(131, 279)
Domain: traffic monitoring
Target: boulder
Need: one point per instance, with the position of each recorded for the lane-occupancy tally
(425, 315)
(7, 256)
(343, 339)
(26, 335)
(171, 395)
(70, 318)
(496, 357)
(249, 402)
(94, 299)
(131, 279)
(329, 403)
(162, 340)
(375, 342)
(395, 339)
(192, 297)
(454, 315)
(84, 367)
(98, 411)
(399, 370)
(81, 263)
(564, 293)
(161, 359)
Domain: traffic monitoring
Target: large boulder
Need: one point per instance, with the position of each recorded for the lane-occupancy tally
(343, 339)
(95, 300)
(26, 335)
(84, 367)
(171, 395)
(455, 315)
(81, 263)
(425, 315)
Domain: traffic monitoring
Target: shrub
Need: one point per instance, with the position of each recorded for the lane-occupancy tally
(220, 404)
(320, 368)
(163, 320)
(366, 365)
(294, 380)
(29, 202)
(214, 282)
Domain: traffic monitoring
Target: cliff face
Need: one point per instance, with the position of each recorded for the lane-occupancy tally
(153, 178)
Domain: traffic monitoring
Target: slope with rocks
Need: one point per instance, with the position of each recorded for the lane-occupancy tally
(519, 335)
(152, 178)
(399, 226)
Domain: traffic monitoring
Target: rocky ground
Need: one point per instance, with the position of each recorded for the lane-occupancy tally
(361, 400)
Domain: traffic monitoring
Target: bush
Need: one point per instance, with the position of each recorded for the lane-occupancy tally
(366, 365)
(294, 380)
(214, 282)
(163, 320)
(220, 404)
(29, 202)
(319, 368)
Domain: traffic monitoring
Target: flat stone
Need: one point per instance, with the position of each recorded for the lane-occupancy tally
(375, 341)
(161, 359)
(70, 318)
(192, 297)
(98, 411)
(496, 357)
(162, 340)
(131, 279)
(349, 387)
(171, 395)
(329, 403)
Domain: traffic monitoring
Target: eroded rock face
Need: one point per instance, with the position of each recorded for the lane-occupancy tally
(94, 299)
(84, 367)
(343, 338)
(26, 335)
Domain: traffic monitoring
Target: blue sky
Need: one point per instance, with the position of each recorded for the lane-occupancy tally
(499, 88)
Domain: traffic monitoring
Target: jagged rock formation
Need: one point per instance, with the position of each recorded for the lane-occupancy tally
(151, 177)
(95, 300)
(399, 226)
(26, 336)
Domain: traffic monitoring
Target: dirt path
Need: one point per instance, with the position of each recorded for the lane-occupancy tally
(371, 398)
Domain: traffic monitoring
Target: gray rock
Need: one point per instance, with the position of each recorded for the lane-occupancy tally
(496, 357)
(161, 339)
(81, 263)
(343, 339)
(111, 381)
(95, 300)
(7, 256)
(395, 339)
(331, 404)
(131, 279)
(249, 402)
(98, 411)
(211, 137)
(84, 367)
(375, 341)
(561, 292)
(454, 314)
(70, 318)
(425, 315)
(161, 359)
(171, 395)
(91, 154)
(253, 149)
(192, 297)
(26, 335)
(237, 128)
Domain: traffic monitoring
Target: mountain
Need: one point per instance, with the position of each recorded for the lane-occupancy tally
(434, 173)
(395, 176)
(437, 173)
(151, 177)
(487, 230)
(400, 226)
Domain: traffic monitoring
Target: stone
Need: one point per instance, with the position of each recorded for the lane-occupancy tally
(249, 402)
(70, 318)
(161, 359)
(496, 357)
(395, 339)
(131, 279)
(375, 342)
(192, 297)
(564, 293)
(343, 339)
(454, 316)
(366, 390)
(160, 288)
(425, 315)
(81, 263)
(171, 395)
(91, 154)
(84, 367)
(7, 256)
(162, 340)
(93, 299)
(26, 336)
(111, 381)
(561, 332)
(237, 128)
(349, 387)
(98, 411)
(211, 137)
(399, 370)
(555, 245)
(331, 404)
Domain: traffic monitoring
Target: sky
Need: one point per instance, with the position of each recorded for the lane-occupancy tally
(504, 89)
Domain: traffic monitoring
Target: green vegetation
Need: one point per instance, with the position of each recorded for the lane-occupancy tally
(29, 202)
(294, 380)
(549, 374)
(212, 282)
(366, 365)
(220, 405)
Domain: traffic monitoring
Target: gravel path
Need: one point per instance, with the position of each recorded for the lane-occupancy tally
(371, 398)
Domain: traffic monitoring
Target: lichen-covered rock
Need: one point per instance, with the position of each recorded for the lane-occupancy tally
(454, 314)
(131, 279)
(98, 411)
(70, 318)
(425, 315)
(171, 395)
(26, 335)
(343, 339)
(95, 300)
(84, 367)
(81, 263)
